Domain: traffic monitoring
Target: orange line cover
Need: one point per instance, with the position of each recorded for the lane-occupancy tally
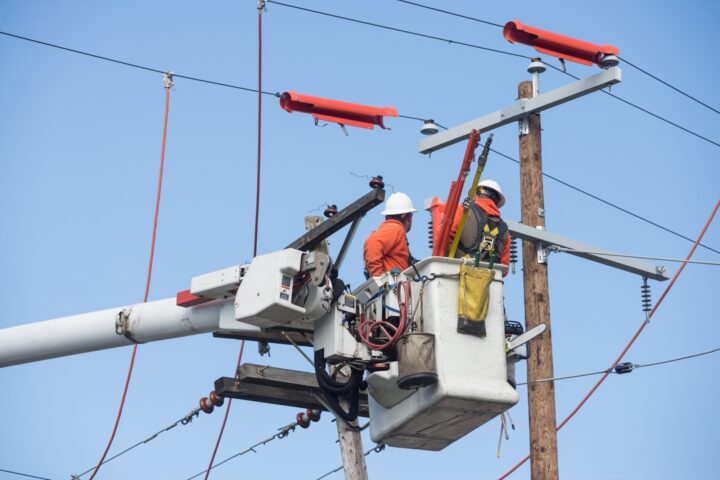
(557, 45)
(328, 110)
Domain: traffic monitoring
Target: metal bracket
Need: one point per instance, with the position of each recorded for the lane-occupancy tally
(317, 263)
(573, 247)
(521, 109)
(543, 252)
(523, 127)
(122, 325)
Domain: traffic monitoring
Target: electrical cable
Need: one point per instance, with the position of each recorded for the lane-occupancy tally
(401, 116)
(645, 323)
(454, 14)
(184, 421)
(260, 7)
(624, 60)
(376, 449)
(431, 37)
(224, 422)
(134, 65)
(504, 52)
(642, 109)
(284, 432)
(167, 79)
(400, 30)
(634, 366)
(610, 204)
(23, 474)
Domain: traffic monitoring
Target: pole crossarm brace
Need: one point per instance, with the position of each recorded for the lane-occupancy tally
(521, 109)
(588, 252)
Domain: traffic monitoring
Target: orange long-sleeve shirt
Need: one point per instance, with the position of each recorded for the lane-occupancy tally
(386, 248)
(488, 206)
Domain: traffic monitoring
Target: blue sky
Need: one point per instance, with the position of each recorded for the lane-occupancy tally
(79, 149)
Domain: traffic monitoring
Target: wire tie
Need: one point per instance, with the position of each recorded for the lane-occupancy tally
(168, 79)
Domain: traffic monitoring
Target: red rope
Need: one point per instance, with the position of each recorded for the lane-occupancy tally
(259, 134)
(257, 216)
(227, 412)
(632, 340)
(149, 276)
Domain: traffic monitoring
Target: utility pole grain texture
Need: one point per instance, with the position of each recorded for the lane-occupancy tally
(541, 396)
(351, 448)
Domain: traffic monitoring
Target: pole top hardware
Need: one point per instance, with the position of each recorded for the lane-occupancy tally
(557, 45)
(536, 66)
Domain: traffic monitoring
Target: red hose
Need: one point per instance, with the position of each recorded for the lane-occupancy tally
(366, 327)
(632, 340)
(147, 282)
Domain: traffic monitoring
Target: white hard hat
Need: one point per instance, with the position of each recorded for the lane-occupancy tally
(493, 185)
(397, 204)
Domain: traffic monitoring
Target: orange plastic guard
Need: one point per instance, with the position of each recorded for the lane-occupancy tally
(336, 111)
(557, 45)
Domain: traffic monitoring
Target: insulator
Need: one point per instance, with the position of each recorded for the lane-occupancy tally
(313, 415)
(430, 234)
(216, 400)
(263, 348)
(646, 299)
(377, 182)
(302, 420)
(330, 211)
(513, 254)
(206, 405)
(625, 367)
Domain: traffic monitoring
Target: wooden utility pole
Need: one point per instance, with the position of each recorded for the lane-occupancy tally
(351, 448)
(541, 396)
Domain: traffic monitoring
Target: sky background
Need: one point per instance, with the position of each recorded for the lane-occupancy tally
(79, 153)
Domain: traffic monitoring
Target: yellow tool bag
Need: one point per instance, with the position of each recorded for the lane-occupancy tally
(473, 299)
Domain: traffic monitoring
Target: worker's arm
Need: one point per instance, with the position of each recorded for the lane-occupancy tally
(373, 253)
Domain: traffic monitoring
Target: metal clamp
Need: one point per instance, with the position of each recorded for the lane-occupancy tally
(122, 325)
(168, 79)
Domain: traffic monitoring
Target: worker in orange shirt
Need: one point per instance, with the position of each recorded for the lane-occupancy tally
(484, 230)
(387, 247)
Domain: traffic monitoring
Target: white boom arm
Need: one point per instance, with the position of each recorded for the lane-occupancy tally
(88, 332)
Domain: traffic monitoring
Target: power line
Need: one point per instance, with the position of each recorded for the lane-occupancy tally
(487, 22)
(184, 421)
(283, 432)
(400, 30)
(633, 367)
(610, 204)
(454, 14)
(222, 84)
(638, 107)
(134, 65)
(635, 336)
(376, 449)
(23, 474)
(668, 85)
